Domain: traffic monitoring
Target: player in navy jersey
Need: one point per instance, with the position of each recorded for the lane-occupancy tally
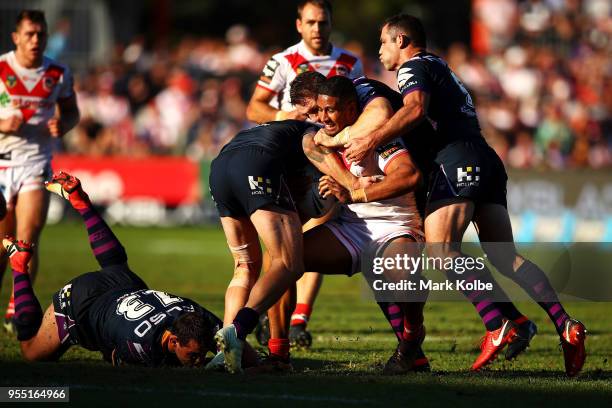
(469, 185)
(111, 310)
(249, 184)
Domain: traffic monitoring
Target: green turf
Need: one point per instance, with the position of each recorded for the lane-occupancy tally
(351, 342)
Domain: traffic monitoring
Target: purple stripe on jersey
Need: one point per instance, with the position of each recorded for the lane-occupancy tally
(21, 285)
(92, 221)
(561, 320)
(490, 316)
(482, 305)
(416, 88)
(106, 247)
(539, 287)
(396, 322)
(474, 295)
(393, 309)
(555, 309)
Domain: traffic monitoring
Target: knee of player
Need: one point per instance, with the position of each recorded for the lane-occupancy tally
(29, 353)
(245, 275)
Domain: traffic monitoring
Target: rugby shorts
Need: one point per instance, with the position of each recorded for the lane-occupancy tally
(368, 237)
(247, 179)
(468, 169)
(21, 179)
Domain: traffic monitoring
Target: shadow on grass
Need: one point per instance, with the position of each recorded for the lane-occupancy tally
(315, 382)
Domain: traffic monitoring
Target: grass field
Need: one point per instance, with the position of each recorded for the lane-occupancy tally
(351, 342)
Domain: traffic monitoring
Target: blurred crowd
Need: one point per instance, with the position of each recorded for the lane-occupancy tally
(539, 71)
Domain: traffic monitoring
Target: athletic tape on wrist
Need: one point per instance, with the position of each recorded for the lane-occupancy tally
(359, 196)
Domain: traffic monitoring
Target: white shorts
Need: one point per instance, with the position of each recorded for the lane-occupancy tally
(20, 179)
(360, 235)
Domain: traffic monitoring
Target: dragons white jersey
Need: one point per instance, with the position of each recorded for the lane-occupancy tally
(282, 68)
(401, 210)
(32, 95)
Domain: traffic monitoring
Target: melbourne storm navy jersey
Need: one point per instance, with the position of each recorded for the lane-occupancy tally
(368, 89)
(132, 324)
(281, 139)
(418, 140)
(451, 109)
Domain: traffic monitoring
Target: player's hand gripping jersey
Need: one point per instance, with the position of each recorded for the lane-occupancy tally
(283, 67)
(30, 94)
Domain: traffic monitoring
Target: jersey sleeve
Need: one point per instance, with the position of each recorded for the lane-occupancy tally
(389, 152)
(413, 76)
(365, 92)
(273, 76)
(66, 84)
(357, 70)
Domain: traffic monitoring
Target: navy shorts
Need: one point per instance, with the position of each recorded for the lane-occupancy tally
(468, 169)
(247, 179)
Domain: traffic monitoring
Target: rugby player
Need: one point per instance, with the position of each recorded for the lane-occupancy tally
(32, 86)
(248, 182)
(377, 214)
(111, 310)
(271, 101)
(469, 186)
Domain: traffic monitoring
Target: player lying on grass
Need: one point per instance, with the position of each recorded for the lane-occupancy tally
(111, 310)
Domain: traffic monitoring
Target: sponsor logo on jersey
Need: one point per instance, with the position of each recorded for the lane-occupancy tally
(303, 67)
(403, 75)
(48, 83)
(342, 70)
(470, 176)
(11, 81)
(260, 186)
(387, 150)
(5, 99)
(269, 70)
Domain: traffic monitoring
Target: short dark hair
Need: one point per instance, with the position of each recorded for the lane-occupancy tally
(35, 16)
(339, 87)
(306, 85)
(408, 24)
(191, 326)
(324, 4)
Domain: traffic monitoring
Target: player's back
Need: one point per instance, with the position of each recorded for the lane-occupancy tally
(282, 139)
(132, 323)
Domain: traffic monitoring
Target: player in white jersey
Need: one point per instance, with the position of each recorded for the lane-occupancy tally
(377, 214)
(37, 104)
(270, 100)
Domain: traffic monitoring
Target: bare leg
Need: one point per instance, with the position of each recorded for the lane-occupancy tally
(31, 214)
(46, 344)
(444, 229)
(244, 244)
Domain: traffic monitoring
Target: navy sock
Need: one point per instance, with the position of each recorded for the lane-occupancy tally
(245, 322)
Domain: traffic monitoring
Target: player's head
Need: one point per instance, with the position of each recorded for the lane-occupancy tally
(303, 93)
(30, 35)
(399, 33)
(188, 339)
(337, 104)
(314, 24)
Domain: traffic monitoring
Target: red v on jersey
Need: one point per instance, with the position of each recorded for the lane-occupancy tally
(343, 66)
(299, 63)
(43, 88)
